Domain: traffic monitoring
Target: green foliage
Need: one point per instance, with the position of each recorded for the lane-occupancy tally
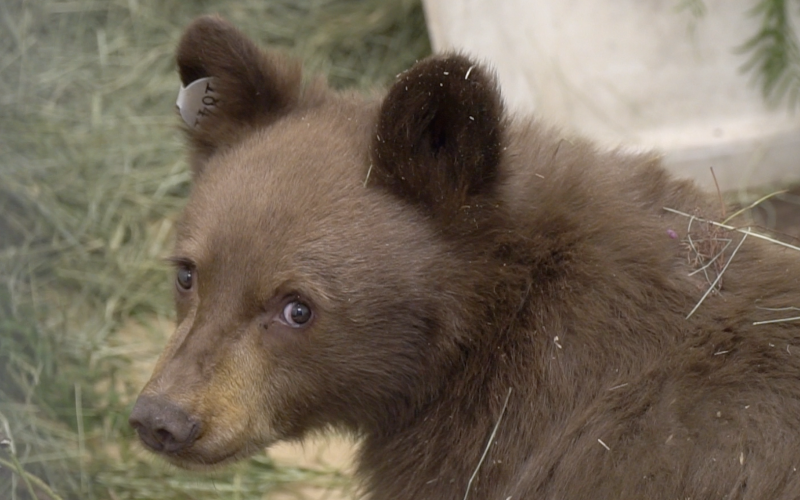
(697, 8)
(774, 57)
(91, 178)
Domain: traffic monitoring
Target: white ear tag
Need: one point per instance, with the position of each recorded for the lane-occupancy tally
(196, 100)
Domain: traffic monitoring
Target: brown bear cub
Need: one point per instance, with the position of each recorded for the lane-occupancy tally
(494, 311)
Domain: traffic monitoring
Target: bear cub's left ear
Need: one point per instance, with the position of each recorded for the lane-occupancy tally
(439, 137)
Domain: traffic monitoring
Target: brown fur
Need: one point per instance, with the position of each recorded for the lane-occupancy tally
(450, 254)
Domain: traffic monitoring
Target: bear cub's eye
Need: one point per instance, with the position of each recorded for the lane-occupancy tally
(184, 277)
(296, 314)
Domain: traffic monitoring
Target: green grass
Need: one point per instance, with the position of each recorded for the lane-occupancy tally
(92, 175)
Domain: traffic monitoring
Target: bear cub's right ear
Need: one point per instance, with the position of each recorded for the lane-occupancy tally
(245, 86)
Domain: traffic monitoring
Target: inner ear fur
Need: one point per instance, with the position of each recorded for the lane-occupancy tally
(254, 87)
(439, 133)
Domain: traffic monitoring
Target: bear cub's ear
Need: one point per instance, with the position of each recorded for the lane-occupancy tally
(240, 85)
(439, 134)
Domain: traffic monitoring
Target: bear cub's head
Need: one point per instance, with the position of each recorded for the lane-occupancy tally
(321, 275)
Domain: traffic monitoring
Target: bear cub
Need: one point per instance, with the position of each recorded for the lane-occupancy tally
(494, 310)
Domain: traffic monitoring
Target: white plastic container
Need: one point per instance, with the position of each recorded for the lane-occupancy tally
(638, 73)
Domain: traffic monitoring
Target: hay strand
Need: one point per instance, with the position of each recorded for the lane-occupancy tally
(779, 320)
(746, 231)
(488, 444)
(718, 278)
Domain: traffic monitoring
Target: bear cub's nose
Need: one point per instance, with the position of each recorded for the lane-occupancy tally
(162, 425)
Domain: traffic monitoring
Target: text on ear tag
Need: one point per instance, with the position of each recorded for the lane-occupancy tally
(196, 100)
